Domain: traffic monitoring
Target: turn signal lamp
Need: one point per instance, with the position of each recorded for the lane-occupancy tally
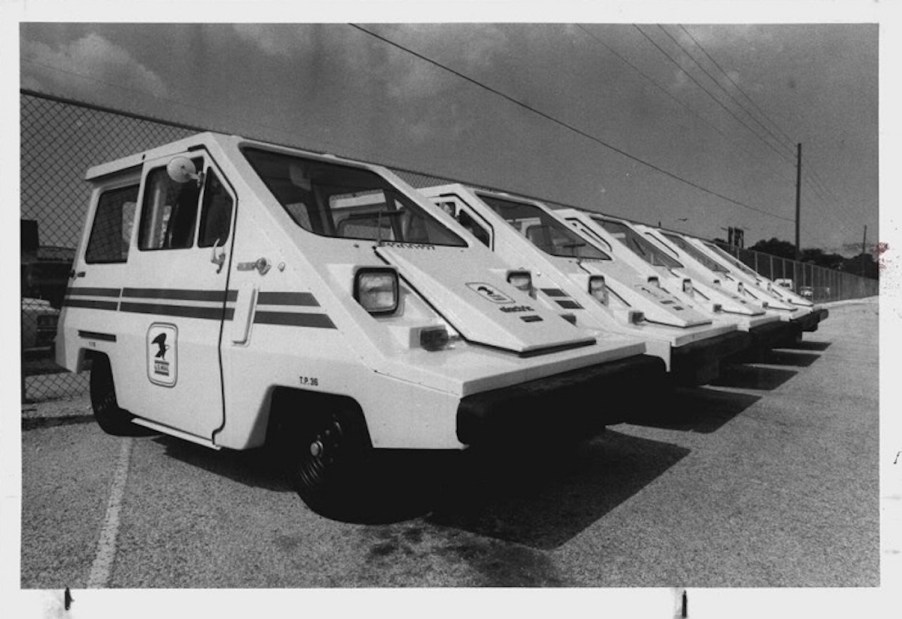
(435, 338)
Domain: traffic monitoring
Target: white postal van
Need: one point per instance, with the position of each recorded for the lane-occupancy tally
(577, 278)
(662, 265)
(800, 313)
(235, 293)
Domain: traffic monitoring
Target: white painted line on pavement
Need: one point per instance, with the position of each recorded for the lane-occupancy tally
(102, 567)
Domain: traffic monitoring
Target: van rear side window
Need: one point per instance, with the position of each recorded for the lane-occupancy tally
(112, 230)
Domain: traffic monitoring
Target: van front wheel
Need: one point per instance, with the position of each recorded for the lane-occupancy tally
(325, 460)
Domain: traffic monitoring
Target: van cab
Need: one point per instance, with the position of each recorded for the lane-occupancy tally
(575, 275)
(661, 264)
(237, 294)
(800, 313)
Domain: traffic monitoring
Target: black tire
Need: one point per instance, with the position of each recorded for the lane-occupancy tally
(324, 455)
(111, 419)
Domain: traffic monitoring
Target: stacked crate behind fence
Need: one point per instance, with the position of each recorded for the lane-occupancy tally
(61, 139)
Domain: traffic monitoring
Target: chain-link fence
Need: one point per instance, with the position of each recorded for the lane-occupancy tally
(61, 139)
(818, 283)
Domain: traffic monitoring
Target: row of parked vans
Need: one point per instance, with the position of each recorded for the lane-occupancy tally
(239, 294)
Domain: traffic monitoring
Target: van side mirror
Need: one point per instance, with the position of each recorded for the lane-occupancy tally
(181, 170)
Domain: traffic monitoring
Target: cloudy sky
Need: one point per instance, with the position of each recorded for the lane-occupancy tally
(693, 126)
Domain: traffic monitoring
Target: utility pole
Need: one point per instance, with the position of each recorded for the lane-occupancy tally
(798, 197)
(864, 241)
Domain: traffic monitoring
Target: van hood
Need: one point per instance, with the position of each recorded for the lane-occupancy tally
(657, 304)
(479, 303)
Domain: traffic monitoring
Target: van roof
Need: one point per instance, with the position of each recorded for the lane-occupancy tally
(131, 161)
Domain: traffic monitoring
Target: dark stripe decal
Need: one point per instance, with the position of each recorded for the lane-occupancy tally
(95, 335)
(287, 298)
(569, 304)
(554, 292)
(531, 318)
(88, 303)
(181, 295)
(84, 291)
(296, 320)
(209, 313)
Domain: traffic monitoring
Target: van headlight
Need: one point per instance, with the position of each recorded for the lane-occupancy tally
(598, 288)
(521, 280)
(376, 290)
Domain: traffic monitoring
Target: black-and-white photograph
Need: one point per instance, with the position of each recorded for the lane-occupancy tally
(319, 304)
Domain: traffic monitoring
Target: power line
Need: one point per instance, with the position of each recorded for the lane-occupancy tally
(789, 140)
(810, 183)
(705, 90)
(566, 125)
(672, 96)
(812, 177)
(719, 85)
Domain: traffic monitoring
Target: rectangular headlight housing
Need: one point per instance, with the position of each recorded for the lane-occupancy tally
(521, 280)
(598, 288)
(376, 289)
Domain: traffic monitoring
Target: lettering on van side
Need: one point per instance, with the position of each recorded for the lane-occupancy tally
(401, 245)
(516, 308)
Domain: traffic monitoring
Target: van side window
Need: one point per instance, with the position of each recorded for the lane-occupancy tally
(473, 227)
(215, 214)
(112, 230)
(169, 212)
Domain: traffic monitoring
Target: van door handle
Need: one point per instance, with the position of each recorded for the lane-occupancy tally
(218, 259)
(260, 264)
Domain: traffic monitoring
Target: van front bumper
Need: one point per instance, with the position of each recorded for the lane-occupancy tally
(578, 402)
(768, 336)
(807, 323)
(698, 363)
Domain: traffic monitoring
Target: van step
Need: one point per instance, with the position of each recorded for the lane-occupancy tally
(159, 427)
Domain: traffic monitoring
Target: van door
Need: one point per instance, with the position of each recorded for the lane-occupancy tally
(175, 300)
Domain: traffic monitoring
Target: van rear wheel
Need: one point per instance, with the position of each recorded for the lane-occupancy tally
(111, 419)
(324, 455)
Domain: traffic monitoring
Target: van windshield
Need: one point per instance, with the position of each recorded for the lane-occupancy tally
(543, 230)
(708, 262)
(638, 245)
(732, 260)
(343, 201)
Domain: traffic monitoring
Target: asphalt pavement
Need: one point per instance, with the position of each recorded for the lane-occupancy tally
(766, 478)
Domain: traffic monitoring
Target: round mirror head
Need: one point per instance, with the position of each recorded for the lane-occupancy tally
(181, 170)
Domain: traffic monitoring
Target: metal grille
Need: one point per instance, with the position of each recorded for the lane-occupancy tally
(62, 138)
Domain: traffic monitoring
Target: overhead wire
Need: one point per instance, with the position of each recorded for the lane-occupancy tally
(568, 126)
(788, 139)
(710, 95)
(812, 178)
(726, 92)
(679, 101)
(705, 90)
